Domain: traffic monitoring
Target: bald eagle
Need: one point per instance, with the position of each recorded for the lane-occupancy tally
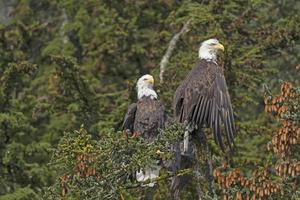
(202, 99)
(144, 118)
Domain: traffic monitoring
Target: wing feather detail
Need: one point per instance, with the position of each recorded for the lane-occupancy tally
(129, 118)
(203, 100)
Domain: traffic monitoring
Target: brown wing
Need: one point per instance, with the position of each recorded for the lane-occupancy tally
(129, 118)
(150, 116)
(203, 100)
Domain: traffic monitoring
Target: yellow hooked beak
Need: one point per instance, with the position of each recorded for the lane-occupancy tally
(219, 46)
(150, 80)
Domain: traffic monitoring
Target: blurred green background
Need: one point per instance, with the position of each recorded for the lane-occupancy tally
(64, 63)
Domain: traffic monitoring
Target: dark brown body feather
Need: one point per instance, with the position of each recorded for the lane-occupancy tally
(203, 100)
(145, 118)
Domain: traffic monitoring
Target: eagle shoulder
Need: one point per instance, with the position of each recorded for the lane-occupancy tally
(198, 81)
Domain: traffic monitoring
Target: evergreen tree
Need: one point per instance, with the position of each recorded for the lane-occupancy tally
(67, 63)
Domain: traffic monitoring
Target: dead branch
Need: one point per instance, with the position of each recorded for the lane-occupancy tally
(172, 44)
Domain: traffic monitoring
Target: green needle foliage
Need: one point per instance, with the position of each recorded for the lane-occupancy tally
(105, 168)
(64, 63)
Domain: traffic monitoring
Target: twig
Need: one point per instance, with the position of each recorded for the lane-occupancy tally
(165, 60)
(122, 198)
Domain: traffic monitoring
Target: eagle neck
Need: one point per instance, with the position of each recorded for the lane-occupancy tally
(208, 55)
(210, 60)
(146, 92)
